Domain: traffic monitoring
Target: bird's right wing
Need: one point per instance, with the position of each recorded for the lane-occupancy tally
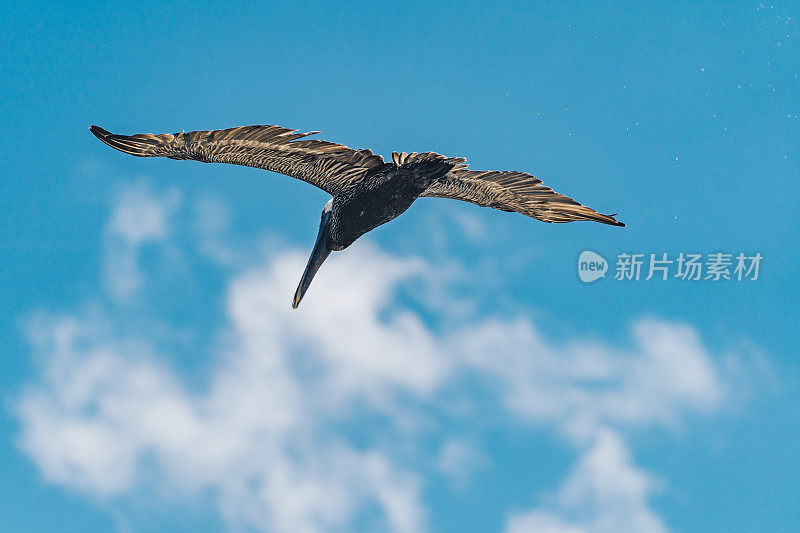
(331, 167)
(513, 191)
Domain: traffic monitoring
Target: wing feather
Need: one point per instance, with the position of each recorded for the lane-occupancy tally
(513, 191)
(331, 167)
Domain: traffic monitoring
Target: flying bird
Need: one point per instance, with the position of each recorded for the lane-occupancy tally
(366, 190)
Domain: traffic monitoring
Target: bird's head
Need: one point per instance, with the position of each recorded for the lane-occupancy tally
(322, 248)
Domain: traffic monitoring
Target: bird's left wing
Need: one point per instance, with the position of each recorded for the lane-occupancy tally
(331, 167)
(513, 191)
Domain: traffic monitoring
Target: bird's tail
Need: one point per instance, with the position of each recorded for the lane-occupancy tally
(428, 164)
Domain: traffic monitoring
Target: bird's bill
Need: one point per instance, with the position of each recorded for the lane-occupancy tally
(318, 256)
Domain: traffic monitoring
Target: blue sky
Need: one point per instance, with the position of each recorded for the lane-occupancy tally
(449, 371)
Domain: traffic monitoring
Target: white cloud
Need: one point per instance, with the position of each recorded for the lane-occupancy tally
(342, 322)
(269, 430)
(211, 222)
(105, 408)
(468, 224)
(605, 493)
(458, 459)
(580, 387)
(140, 217)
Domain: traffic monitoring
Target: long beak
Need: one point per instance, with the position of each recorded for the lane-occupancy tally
(318, 256)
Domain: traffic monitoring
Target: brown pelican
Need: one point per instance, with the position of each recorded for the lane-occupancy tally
(367, 191)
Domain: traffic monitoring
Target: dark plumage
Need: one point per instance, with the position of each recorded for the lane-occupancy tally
(367, 191)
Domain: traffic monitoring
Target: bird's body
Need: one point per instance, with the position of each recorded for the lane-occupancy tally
(384, 194)
(366, 191)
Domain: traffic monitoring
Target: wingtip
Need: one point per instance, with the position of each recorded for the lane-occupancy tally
(130, 144)
(99, 132)
(613, 221)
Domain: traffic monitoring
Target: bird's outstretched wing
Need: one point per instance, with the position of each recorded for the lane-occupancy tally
(331, 167)
(513, 191)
